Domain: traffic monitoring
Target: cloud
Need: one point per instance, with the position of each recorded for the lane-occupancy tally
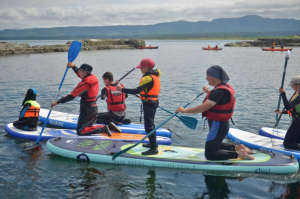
(19, 14)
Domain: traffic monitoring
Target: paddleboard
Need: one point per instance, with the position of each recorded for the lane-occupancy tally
(258, 142)
(53, 133)
(272, 132)
(69, 121)
(168, 156)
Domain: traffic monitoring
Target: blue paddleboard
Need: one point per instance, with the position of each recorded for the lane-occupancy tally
(69, 121)
(70, 133)
(272, 132)
(259, 142)
(168, 156)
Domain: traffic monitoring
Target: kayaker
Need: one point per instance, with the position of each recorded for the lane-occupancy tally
(209, 46)
(218, 108)
(87, 89)
(115, 101)
(292, 137)
(29, 115)
(148, 88)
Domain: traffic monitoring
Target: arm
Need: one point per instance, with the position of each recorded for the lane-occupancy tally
(198, 109)
(103, 93)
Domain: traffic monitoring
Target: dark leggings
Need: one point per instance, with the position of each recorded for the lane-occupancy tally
(292, 137)
(87, 117)
(215, 149)
(105, 117)
(149, 115)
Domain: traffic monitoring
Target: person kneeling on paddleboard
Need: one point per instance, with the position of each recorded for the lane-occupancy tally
(148, 89)
(29, 115)
(115, 102)
(292, 137)
(218, 108)
(87, 89)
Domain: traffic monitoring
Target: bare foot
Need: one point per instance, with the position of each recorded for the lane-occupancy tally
(244, 155)
(241, 146)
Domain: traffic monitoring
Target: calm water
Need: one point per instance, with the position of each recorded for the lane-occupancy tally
(255, 75)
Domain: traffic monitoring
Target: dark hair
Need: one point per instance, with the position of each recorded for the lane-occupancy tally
(108, 75)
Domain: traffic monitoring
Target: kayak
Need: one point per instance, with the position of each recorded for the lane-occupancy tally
(147, 47)
(205, 48)
(262, 143)
(49, 133)
(272, 132)
(167, 157)
(69, 121)
(277, 49)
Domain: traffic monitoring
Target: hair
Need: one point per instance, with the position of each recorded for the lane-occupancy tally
(108, 75)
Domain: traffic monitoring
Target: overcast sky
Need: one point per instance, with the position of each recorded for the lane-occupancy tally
(21, 14)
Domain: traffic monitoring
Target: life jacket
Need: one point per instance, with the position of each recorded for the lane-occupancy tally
(296, 110)
(115, 99)
(221, 112)
(152, 94)
(33, 110)
(92, 92)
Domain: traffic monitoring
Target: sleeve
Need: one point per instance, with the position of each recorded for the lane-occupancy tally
(286, 103)
(103, 93)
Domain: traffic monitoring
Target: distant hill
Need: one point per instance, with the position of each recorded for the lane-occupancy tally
(247, 26)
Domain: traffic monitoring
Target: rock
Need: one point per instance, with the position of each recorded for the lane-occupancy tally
(267, 42)
(87, 44)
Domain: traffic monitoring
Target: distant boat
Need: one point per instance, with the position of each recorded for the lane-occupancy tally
(214, 48)
(147, 47)
(277, 49)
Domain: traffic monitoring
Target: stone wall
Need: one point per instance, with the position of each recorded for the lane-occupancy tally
(87, 44)
(267, 42)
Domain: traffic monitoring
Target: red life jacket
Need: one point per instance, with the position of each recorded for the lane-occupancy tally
(221, 112)
(87, 89)
(152, 94)
(115, 99)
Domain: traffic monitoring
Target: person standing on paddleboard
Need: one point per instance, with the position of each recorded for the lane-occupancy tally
(115, 101)
(88, 90)
(148, 89)
(29, 115)
(292, 137)
(218, 108)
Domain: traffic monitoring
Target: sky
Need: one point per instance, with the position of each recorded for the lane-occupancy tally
(23, 14)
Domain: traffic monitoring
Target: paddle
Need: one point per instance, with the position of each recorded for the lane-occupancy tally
(190, 122)
(121, 78)
(282, 112)
(72, 54)
(174, 114)
(282, 82)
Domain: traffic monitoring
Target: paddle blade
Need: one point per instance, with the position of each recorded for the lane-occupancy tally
(190, 122)
(74, 50)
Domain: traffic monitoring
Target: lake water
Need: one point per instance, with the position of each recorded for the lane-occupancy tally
(255, 75)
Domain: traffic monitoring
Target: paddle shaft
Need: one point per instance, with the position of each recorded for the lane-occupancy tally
(174, 114)
(121, 78)
(282, 82)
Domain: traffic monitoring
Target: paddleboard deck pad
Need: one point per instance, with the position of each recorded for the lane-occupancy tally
(168, 156)
(53, 133)
(258, 142)
(272, 132)
(69, 121)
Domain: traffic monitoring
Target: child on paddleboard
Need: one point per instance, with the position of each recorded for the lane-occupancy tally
(29, 115)
(148, 89)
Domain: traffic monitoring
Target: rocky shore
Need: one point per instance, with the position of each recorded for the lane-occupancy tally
(87, 44)
(267, 42)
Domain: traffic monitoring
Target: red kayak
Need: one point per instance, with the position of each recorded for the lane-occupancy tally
(147, 47)
(206, 48)
(277, 49)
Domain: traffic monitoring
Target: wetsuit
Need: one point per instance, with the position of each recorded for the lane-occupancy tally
(115, 105)
(292, 137)
(29, 115)
(215, 149)
(87, 89)
(150, 103)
